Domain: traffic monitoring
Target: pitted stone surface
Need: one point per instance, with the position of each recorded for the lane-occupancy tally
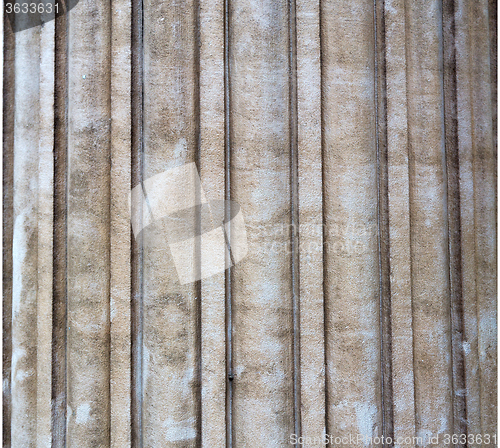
(360, 133)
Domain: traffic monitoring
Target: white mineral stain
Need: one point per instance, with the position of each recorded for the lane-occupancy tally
(366, 417)
(19, 375)
(466, 347)
(19, 251)
(146, 357)
(179, 430)
(83, 413)
(180, 150)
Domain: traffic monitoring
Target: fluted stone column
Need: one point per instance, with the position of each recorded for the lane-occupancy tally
(359, 140)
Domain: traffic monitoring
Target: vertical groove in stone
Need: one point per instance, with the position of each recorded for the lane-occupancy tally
(25, 238)
(294, 212)
(228, 278)
(88, 270)
(198, 360)
(399, 220)
(322, 48)
(170, 360)
(8, 88)
(45, 235)
(454, 230)
(59, 260)
(351, 242)
(312, 337)
(428, 221)
(212, 174)
(120, 239)
(383, 221)
(136, 257)
(260, 183)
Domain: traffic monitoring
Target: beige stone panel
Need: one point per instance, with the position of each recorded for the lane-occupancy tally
(25, 239)
(399, 221)
(428, 221)
(213, 405)
(88, 221)
(312, 343)
(45, 232)
(120, 287)
(484, 175)
(350, 200)
(260, 183)
(170, 372)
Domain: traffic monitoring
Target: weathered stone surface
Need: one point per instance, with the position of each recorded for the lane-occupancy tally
(399, 222)
(310, 197)
(428, 223)
(25, 238)
(359, 140)
(120, 237)
(260, 183)
(170, 350)
(350, 212)
(88, 230)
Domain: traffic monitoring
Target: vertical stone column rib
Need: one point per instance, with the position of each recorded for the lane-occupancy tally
(45, 234)
(399, 220)
(171, 310)
(477, 186)
(8, 89)
(454, 230)
(25, 238)
(428, 221)
(260, 183)
(383, 221)
(484, 177)
(88, 270)
(212, 179)
(312, 337)
(120, 239)
(467, 224)
(350, 214)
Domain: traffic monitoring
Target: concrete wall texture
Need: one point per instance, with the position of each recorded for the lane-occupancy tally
(359, 139)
